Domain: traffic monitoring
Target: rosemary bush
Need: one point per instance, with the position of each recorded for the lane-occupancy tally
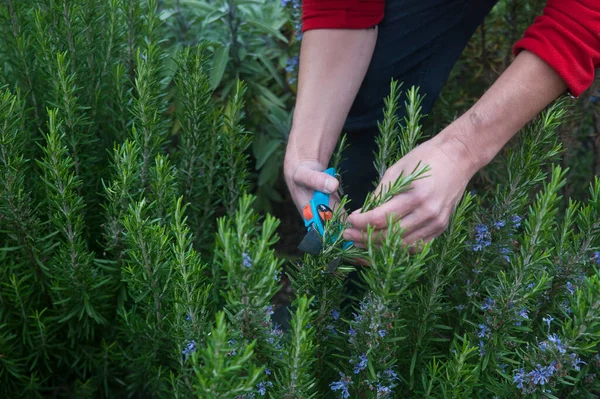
(133, 262)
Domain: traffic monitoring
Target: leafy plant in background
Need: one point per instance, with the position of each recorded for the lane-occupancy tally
(245, 41)
(131, 266)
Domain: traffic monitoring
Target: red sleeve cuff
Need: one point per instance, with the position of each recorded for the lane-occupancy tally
(567, 37)
(341, 14)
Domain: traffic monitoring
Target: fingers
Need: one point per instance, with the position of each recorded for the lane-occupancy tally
(421, 225)
(378, 217)
(315, 180)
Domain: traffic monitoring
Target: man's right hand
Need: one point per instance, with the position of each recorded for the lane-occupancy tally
(304, 177)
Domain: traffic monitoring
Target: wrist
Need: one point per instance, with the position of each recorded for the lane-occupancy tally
(456, 141)
(473, 139)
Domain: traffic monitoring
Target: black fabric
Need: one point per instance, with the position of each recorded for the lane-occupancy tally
(418, 43)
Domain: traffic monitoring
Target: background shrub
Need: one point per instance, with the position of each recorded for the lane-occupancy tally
(134, 263)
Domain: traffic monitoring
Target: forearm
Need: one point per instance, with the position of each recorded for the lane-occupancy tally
(333, 63)
(520, 93)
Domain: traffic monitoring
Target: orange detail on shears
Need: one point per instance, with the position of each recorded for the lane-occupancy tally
(307, 212)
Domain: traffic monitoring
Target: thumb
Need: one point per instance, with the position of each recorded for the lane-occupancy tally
(314, 180)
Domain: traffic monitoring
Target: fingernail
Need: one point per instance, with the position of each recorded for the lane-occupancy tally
(330, 185)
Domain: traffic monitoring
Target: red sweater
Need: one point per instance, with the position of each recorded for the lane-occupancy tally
(566, 36)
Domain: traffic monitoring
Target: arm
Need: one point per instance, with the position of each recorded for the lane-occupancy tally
(461, 149)
(526, 87)
(333, 64)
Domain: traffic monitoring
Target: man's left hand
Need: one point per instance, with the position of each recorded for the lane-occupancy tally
(425, 209)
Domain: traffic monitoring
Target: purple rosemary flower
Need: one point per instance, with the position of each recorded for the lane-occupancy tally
(269, 310)
(383, 391)
(188, 317)
(483, 331)
(524, 313)
(361, 364)
(541, 375)
(483, 237)
(516, 221)
(505, 252)
(382, 333)
(331, 329)
(576, 361)
(291, 64)
(557, 343)
(335, 314)
(342, 385)
(234, 351)
(390, 374)
(597, 257)
(190, 348)
(488, 304)
(267, 371)
(276, 332)
(570, 287)
(499, 224)
(482, 351)
(520, 378)
(548, 320)
(246, 260)
(262, 387)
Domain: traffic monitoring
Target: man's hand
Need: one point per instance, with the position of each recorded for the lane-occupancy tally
(426, 209)
(466, 145)
(305, 177)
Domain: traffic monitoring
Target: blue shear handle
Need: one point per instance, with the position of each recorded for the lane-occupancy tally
(317, 199)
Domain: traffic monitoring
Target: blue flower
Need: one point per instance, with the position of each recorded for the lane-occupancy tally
(188, 317)
(524, 313)
(548, 320)
(246, 260)
(190, 348)
(483, 331)
(505, 252)
(267, 371)
(576, 361)
(269, 310)
(352, 332)
(361, 364)
(570, 287)
(331, 329)
(342, 385)
(390, 374)
(262, 387)
(557, 343)
(482, 351)
(335, 314)
(383, 391)
(483, 237)
(234, 351)
(597, 257)
(516, 221)
(291, 64)
(488, 304)
(499, 224)
(541, 375)
(382, 333)
(520, 378)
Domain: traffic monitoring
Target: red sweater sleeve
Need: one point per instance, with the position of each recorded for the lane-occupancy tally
(567, 37)
(341, 14)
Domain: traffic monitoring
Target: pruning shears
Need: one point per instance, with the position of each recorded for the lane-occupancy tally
(315, 214)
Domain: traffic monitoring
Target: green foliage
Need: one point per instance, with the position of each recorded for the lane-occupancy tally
(244, 41)
(133, 263)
